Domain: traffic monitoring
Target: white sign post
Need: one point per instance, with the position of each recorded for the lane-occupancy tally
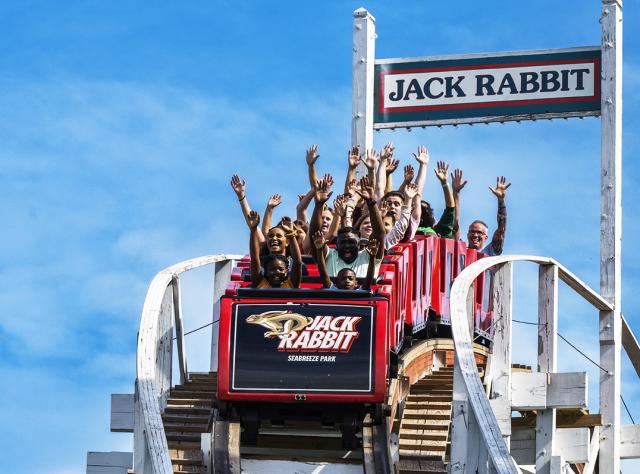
(611, 235)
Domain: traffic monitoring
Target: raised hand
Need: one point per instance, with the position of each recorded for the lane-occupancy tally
(422, 156)
(340, 205)
(287, 225)
(354, 156)
(408, 173)
(410, 191)
(329, 179)
(318, 240)
(253, 219)
(384, 208)
(441, 171)
(312, 155)
(371, 159)
(274, 201)
(239, 186)
(391, 166)
(322, 190)
(500, 190)
(372, 247)
(366, 189)
(457, 182)
(387, 152)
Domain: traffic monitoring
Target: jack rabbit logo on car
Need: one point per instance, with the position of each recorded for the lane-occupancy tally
(298, 333)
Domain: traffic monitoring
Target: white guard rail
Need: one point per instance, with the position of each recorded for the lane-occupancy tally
(481, 426)
(154, 358)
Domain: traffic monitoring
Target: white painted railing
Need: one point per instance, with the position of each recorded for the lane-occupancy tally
(154, 358)
(481, 427)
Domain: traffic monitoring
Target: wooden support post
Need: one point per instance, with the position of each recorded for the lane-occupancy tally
(363, 59)
(501, 355)
(459, 422)
(177, 311)
(547, 361)
(221, 276)
(611, 234)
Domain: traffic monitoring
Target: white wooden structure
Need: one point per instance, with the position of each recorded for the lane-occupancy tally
(483, 439)
(613, 329)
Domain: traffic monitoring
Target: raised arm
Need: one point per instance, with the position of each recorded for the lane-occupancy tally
(367, 193)
(273, 202)
(371, 161)
(253, 220)
(441, 171)
(372, 247)
(296, 267)
(391, 166)
(339, 208)
(353, 158)
(380, 183)
(239, 186)
(408, 177)
(312, 157)
(422, 157)
(500, 192)
(322, 193)
(303, 203)
(320, 244)
(457, 183)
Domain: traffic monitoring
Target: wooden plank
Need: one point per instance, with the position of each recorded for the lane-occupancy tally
(594, 446)
(573, 444)
(630, 344)
(568, 390)
(564, 419)
(368, 460)
(611, 234)
(547, 362)
(523, 445)
(528, 391)
(459, 421)
(501, 355)
(234, 448)
(114, 462)
(122, 413)
(177, 313)
(630, 442)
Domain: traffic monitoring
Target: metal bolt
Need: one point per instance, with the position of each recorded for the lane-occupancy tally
(358, 115)
(358, 26)
(609, 373)
(362, 60)
(609, 100)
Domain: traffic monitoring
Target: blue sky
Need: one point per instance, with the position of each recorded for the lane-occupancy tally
(122, 123)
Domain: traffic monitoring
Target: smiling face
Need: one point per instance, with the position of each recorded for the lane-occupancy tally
(476, 236)
(276, 241)
(346, 279)
(365, 228)
(327, 217)
(394, 204)
(276, 272)
(347, 246)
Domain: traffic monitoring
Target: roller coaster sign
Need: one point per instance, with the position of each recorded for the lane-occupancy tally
(520, 85)
(302, 347)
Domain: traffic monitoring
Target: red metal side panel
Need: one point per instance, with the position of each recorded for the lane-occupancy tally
(447, 266)
(432, 273)
(408, 267)
(399, 294)
(420, 300)
(483, 316)
(460, 257)
(326, 350)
